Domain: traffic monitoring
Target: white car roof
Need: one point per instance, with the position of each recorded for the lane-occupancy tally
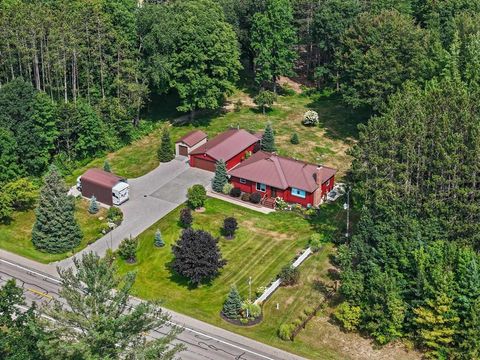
(121, 186)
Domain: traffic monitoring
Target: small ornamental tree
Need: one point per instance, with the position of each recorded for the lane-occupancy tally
(55, 229)
(289, 275)
(233, 304)
(197, 256)
(310, 118)
(186, 218)
(196, 195)
(128, 249)
(165, 151)
(93, 207)
(265, 99)
(230, 225)
(221, 177)
(268, 139)
(294, 139)
(106, 166)
(158, 239)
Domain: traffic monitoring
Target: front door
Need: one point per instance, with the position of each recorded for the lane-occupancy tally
(273, 192)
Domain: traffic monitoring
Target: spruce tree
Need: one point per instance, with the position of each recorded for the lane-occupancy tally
(165, 152)
(93, 207)
(268, 139)
(55, 229)
(294, 139)
(106, 166)
(221, 177)
(233, 304)
(158, 239)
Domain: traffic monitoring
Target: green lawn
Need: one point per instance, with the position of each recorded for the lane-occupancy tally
(263, 244)
(327, 144)
(16, 236)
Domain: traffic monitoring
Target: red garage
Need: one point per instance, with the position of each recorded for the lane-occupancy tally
(107, 188)
(230, 146)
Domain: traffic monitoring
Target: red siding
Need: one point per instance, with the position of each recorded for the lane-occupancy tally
(230, 162)
(250, 187)
(239, 157)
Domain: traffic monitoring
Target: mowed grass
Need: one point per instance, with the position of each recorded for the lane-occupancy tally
(326, 144)
(262, 246)
(16, 236)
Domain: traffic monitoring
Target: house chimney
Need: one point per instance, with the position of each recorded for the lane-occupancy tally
(318, 178)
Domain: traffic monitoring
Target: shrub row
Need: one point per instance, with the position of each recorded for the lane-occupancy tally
(287, 331)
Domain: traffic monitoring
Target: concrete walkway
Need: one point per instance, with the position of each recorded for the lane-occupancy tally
(244, 204)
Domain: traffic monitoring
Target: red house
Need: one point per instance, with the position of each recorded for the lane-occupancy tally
(230, 146)
(276, 176)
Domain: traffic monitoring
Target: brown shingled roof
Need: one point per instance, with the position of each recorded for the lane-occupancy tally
(227, 144)
(192, 138)
(282, 172)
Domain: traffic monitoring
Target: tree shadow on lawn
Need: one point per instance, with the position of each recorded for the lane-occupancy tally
(182, 280)
(338, 119)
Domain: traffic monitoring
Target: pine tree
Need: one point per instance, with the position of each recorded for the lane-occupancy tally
(93, 207)
(165, 153)
(268, 139)
(158, 239)
(233, 304)
(55, 229)
(128, 249)
(186, 218)
(294, 139)
(221, 177)
(106, 166)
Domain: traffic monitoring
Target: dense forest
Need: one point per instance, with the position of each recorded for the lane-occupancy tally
(75, 76)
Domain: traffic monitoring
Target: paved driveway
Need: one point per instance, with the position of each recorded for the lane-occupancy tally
(152, 196)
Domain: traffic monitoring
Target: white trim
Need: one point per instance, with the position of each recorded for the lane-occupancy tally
(298, 193)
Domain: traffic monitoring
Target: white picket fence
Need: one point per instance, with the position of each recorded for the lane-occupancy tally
(274, 286)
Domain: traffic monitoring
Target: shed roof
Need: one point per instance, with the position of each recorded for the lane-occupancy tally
(192, 138)
(227, 144)
(282, 172)
(101, 177)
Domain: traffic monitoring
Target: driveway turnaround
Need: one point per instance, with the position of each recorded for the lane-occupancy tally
(152, 196)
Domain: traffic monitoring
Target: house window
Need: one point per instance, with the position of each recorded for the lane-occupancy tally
(261, 187)
(299, 193)
(243, 181)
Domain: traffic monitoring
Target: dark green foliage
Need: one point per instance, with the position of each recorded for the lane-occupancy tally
(115, 215)
(268, 139)
(255, 197)
(106, 166)
(20, 331)
(412, 266)
(186, 218)
(55, 229)
(265, 99)
(128, 249)
(158, 239)
(196, 195)
(272, 41)
(221, 177)
(165, 151)
(93, 207)
(370, 71)
(294, 139)
(289, 275)
(189, 47)
(197, 256)
(233, 304)
(9, 162)
(97, 300)
(230, 225)
(235, 192)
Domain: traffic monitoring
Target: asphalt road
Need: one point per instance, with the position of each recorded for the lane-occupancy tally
(203, 341)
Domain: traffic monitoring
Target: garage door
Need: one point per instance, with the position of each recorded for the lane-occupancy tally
(182, 150)
(204, 164)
